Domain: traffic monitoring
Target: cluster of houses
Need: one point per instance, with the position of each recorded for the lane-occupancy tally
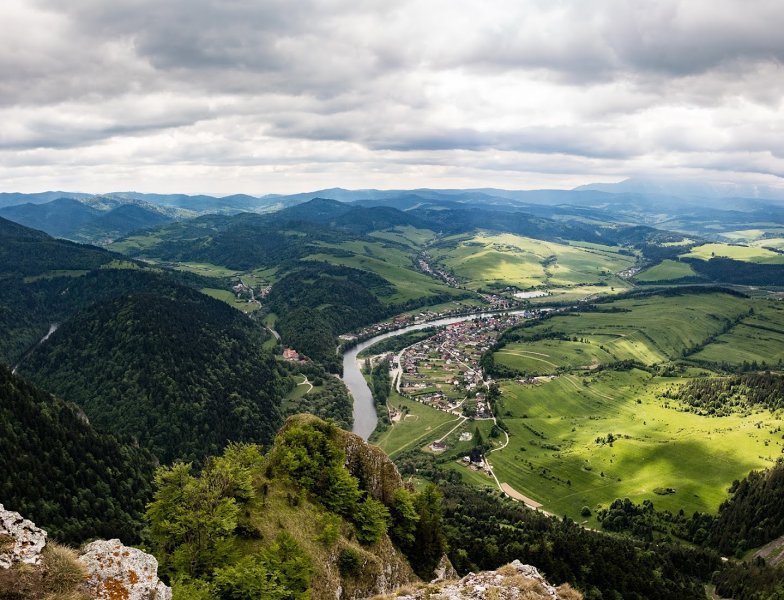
(245, 292)
(443, 371)
(424, 264)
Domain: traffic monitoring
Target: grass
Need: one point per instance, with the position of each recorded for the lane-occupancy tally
(419, 427)
(757, 338)
(736, 252)
(229, 298)
(509, 259)
(390, 262)
(652, 329)
(666, 270)
(554, 458)
(546, 356)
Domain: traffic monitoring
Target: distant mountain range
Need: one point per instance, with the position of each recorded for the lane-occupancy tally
(685, 206)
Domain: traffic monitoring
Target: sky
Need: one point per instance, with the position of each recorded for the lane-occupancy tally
(281, 96)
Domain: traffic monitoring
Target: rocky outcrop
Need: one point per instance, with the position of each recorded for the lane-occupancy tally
(444, 570)
(514, 581)
(104, 570)
(117, 572)
(372, 467)
(20, 540)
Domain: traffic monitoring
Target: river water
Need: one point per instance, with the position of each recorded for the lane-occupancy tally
(365, 416)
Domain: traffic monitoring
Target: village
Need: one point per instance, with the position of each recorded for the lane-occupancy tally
(443, 371)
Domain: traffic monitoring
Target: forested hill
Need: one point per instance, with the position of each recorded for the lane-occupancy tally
(180, 372)
(30, 252)
(58, 471)
(754, 513)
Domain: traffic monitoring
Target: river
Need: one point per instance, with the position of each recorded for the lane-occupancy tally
(365, 416)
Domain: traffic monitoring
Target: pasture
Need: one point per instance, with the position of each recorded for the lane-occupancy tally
(390, 262)
(745, 253)
(418, 426)
(651, 329)
(508, 259)
(554, 456)
(666, 270)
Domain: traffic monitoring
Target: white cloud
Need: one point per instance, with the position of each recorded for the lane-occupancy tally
(254, 96)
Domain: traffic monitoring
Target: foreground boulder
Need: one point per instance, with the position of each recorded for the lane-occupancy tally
(20, 540)
(116, 571)
(514, 581)
(31, 569)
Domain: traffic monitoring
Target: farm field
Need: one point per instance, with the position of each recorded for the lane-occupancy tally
(757, 338)
(745, 253)
(584, 436)
(419, 426)
(544, 357)
(750, 235)
(408, 236)
(651, 329)
(776, 243)
(554, 456)
(392, 263)
(507, 259)
(667, 270)
(229, 298)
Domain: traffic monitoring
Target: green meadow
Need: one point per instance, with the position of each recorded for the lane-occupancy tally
(581, 435)
(509, 259)
(393, 263)
(554, 456)
(667, 270)
(418, 427)
(652, 329)
(736, 252)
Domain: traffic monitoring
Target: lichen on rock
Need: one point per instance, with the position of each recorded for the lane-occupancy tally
(514, 581)
(117, 572)
(20, 540)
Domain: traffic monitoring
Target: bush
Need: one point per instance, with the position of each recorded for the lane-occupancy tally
(349, 562)
(586, 512)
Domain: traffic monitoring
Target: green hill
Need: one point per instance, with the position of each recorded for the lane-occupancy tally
(57, 470)
(180, 372)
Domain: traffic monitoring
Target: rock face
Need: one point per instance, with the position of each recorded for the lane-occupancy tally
(374, 469)
(20, 540)
(515, 581)
(117, 572)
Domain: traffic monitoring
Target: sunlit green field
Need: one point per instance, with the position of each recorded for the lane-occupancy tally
(229, 298)
(390, 262)
(546, 356)
(776, 243)
(553, 455)
(749, 235)
(757, 338)
(651, 329)
(666, 270)
(419, 427)
(510, 259)
(745, 253)
(407, 236)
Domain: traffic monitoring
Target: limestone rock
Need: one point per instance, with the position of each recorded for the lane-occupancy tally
(444, 570)
(20, 540)
(514, 581)
(117, 572)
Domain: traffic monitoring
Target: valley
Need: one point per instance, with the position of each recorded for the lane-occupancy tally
(551, 362)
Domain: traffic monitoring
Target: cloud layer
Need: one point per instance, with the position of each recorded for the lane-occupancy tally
(256, 96)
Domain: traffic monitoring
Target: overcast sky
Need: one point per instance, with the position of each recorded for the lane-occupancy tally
(260, 96)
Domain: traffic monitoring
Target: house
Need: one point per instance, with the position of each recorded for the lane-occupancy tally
(290, 354)
(438, 446)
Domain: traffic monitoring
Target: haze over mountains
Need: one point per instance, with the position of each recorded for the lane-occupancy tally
(673, 204)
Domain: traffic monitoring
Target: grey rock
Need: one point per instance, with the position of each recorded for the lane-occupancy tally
(20, 540)
(118, 571)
